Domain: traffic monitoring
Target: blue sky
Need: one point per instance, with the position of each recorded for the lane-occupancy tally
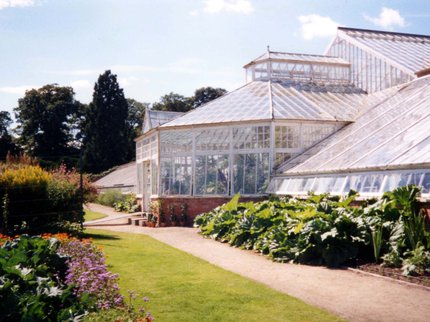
(162, 46)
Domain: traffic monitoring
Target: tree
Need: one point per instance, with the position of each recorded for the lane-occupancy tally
(178, 103)
(136, 112)
(7, 145)
(47, 120)
(206, 94)
(173, 102)
(106, 132)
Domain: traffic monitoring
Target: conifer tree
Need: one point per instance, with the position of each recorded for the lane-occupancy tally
(106, 131)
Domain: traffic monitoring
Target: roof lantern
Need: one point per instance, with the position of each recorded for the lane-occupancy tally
(276, 66)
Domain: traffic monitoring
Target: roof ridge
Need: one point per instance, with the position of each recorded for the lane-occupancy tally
(383, 32)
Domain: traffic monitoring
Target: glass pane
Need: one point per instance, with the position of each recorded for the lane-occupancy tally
(172, 142)
(182, 177)
(372, 183)
(139, 178)
(287, 137)
(426, 183)
(281, 157)
(312, 134)
(395, 180)
(255, 137)
(250, 174)
(154, 174)
(200, 174)
(324, 184)
(217, 175)
(213, 139)
(238, 173)
(263, 172)
(165, 176)
(415, 179)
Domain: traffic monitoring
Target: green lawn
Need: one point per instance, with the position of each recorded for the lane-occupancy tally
(182, 287)
(92, 215)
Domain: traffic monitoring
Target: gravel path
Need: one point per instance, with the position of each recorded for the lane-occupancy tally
(353, 296)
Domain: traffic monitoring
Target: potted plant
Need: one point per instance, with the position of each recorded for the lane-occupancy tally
(162, 219)
(173, 220)
(152, 220)
(155, 207)
(183, 218)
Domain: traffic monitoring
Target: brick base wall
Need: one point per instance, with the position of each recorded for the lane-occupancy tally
(195, 205)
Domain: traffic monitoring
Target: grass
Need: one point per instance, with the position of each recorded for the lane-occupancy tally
(92, 215)
(185, 288)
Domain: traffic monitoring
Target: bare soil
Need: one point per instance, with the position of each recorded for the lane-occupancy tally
(395, 273)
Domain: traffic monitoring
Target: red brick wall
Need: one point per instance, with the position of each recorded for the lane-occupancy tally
(196, 205)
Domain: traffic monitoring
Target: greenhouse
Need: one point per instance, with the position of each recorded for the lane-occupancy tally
(354, 118)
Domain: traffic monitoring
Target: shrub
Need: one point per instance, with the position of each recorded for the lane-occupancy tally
(129, 204)
(324, 230)
(34, 200)
(417, 261)
(110, 197)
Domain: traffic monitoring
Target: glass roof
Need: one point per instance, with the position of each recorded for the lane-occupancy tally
(154, 119)
(408, 50)
(267, 100)
(391, 133)
(294, 57)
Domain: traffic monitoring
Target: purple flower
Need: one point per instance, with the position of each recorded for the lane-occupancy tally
(145, 299)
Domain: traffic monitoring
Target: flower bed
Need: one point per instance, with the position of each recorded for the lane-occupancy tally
(395, 273)
(57, 277)
(326, 230)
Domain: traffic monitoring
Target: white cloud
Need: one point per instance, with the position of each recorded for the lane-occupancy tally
(126, 81)
(16, 3)
(16, 90)
(81, 84)
(76, 72)
(314, 26)
(235, 6)
(388, 18)
(194, 13)
(184, 66)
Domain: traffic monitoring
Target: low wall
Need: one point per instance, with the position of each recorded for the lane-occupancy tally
(195, 205)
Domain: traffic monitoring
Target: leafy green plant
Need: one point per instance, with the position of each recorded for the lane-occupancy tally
(417, 261)
(110, 197)
(128, 204)
(32, 282)
(321, 229)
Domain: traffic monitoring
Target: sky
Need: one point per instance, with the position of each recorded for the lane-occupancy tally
(160, 46)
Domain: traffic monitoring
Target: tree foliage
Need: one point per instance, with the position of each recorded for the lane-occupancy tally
(136, 112)
(7, 144)
(106, 133)
(206, 94)
(48, 119)
(178, 103)
(173, 102)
